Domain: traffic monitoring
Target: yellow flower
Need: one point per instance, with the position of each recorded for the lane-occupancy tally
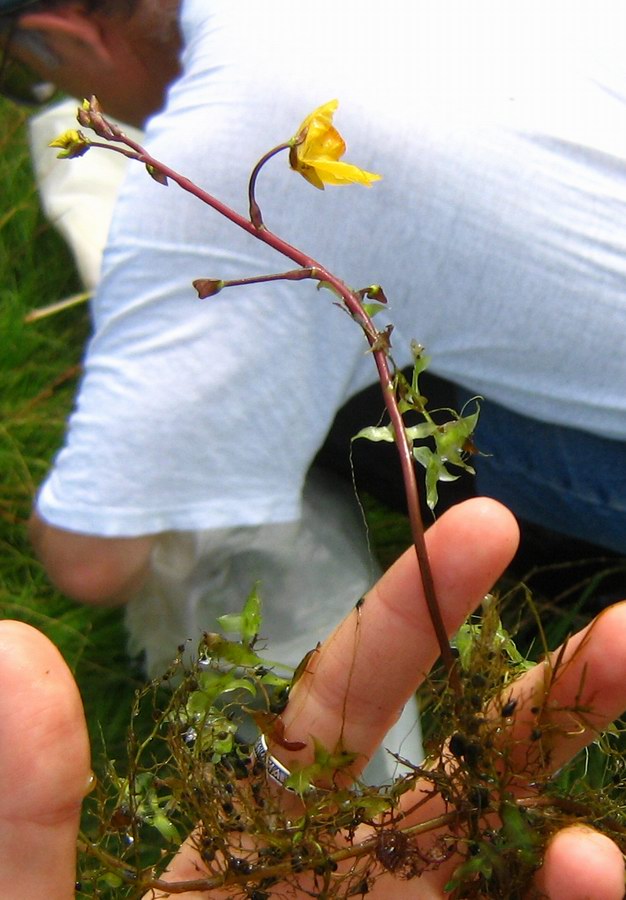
(317, 148)
(72, 143)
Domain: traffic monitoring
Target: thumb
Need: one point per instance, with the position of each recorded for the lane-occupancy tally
(44, 767)
(581, 864)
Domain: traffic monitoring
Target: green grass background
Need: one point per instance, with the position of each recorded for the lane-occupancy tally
(38, 376)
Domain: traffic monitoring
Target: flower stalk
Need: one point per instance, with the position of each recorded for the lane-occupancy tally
(314, 152)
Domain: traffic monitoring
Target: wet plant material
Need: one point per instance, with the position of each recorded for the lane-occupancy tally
(482, 805)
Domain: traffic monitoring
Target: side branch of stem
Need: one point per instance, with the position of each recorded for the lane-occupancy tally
(355, 308)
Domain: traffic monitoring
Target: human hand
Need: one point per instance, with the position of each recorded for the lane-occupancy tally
(355, 691)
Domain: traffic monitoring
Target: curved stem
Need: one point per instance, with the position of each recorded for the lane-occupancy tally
(355, 308)
(255, 210)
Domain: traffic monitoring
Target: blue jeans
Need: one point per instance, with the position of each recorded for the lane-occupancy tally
(566, 480)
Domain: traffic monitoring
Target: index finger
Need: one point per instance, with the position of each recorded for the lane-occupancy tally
(356, 685)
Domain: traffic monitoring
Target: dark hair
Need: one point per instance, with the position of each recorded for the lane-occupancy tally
(11, 10)
(109, 7)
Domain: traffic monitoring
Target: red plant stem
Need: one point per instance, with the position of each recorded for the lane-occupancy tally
(354, 306)
(255, 211)
(292, 275)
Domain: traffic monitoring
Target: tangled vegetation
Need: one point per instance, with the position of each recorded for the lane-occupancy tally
(197, 774)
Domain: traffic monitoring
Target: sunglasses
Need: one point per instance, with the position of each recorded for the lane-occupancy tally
(18, 82)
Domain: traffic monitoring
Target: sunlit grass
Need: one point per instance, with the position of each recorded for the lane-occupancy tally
(39, 367)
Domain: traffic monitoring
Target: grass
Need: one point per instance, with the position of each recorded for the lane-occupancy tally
(39, 366)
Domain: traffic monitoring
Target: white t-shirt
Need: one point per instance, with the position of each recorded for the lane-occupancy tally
(498, 232)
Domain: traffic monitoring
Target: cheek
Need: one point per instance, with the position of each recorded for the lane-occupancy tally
(131, 99)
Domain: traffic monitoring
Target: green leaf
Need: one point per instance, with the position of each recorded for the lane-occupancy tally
(326, 285)
(452, 437)
(251, 615)
(301, 780)
(111, 880)
(376, 433)
(215, 684)
(330, 762)
(519, 834)
(247, 623)
(373, 805)
(507, 645)
(419, 432)
(216, 647)
(372, 308)
(500, 640)
(475, 865)
(271, 679)
(435, 471)
(463, 641)
(420, 363)
(165, 827)
(231, 623)
(326, 763)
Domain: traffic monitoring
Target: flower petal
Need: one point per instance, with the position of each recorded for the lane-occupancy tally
(317, 148)
(72, 143)
(320, 118)
(330, 171)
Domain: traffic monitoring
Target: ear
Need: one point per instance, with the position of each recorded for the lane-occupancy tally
(70, 23)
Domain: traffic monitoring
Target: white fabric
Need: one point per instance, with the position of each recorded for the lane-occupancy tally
(79, 198)
(497, 232)
(309, 574)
